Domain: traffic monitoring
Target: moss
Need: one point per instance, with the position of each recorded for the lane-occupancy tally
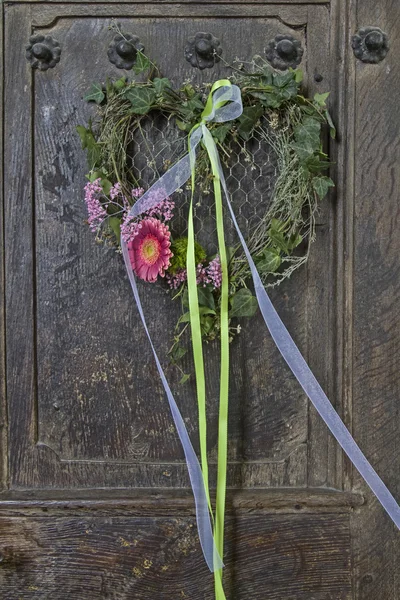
(179, 250)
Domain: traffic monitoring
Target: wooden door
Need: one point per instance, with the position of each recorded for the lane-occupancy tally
(95, 499)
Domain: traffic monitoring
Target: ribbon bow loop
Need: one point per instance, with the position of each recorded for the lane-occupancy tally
(224, 103)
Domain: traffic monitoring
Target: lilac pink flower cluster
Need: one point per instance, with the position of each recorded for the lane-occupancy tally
(209, 275)
(148, 236)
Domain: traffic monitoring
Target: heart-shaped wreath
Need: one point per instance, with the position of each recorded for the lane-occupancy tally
(140, 131)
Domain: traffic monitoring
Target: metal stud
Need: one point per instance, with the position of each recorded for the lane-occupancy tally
(284, 51)
(370, 44)
(123, 50)
(203, 50)
(43, 52)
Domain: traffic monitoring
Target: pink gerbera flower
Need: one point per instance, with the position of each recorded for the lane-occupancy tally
(149, 250)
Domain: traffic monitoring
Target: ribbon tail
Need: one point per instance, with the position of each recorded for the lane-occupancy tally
(224, 367)
(204, 527)
(310, 385)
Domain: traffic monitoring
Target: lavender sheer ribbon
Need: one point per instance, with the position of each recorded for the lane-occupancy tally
(172, 180)
(166, 186)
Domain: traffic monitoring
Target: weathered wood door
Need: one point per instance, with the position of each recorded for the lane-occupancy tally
(94, 493)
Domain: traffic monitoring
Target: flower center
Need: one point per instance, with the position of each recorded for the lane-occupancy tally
(150, 249)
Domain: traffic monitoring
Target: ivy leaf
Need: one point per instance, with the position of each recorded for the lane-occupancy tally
(177, 352)
(160, 84)
(89, 144)
(194, 103)
(248, 119)
(142, 63)
(332, 128)
(321, 185)
(294, 240)
(114, 224)
(321, 99)
(282, 79)
(243, 304)
(206, 297)
(203, 310)
(316, 164)
(95, 94)
(307, 134)
(220, 132)
(270, 261)
(141, 98)
(120, 84)
(298, 75)
(207, 324)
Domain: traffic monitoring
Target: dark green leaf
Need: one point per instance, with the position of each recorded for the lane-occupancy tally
(303, 152)
(206, 297)
(248, 119)
(203, 310)
(142, 64)
(243, 304)
(220, 132)
(194, 103)
(160, 84)
(95, 94)
(141, 98)
(294, 240)
(269, 262)
(321, 185)
(282, 79)
(314, 164)
(207, 324)
(307, 134)
(177, 352)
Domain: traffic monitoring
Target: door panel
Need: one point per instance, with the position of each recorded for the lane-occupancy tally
(94, 494)
(95, 421)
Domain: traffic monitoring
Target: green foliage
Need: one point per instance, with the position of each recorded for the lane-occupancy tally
(321, 185)
(243, 304)
(179, 250)
(95, 94)
(141, 98)
(307, 137)
(248, 120)
(142, 63)
(160, 84)
(274, 108)
(89, 144)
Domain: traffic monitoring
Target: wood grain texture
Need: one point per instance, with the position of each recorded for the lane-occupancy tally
(376, 381)
(98, 422)
(47, 15)
(121, 557)
(20, 255)
(175, 502)
(3, 398)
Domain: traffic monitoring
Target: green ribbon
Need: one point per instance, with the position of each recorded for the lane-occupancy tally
(212, 152)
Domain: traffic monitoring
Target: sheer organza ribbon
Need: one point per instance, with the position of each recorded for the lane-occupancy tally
(225, 104)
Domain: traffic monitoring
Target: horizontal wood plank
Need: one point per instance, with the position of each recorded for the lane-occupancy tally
(277, 556)
(172, 502)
